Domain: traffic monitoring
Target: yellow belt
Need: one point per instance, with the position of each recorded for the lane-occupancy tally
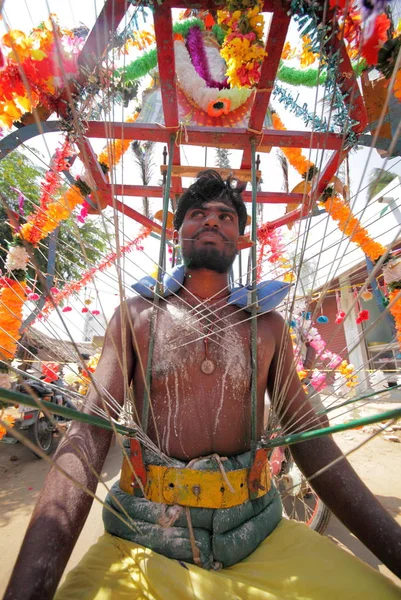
(190, 487)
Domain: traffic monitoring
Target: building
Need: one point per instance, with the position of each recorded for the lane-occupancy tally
(369, 345)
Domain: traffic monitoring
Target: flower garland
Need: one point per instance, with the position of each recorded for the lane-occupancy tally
(13, 293)
(34, 230)
(335, 362)
(199, 58)
(111, 154)
(12, 298)
(45, 57)
(109, 260)
(294, 155)
(350, 226)
(56, 212)
(147, 62)
(273, 239)
(196, 88)
(243, 48)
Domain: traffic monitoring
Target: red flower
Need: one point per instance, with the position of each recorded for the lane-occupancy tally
(371, 46)
(85, 310)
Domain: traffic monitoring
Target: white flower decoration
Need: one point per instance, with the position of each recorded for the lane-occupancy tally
(195, 87)
(17, 258)
(5, 381)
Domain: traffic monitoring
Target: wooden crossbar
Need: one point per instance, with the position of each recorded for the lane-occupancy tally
(188, 171)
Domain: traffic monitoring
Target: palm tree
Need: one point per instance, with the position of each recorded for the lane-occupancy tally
(223, 158)
(378, 180)
(144, 154)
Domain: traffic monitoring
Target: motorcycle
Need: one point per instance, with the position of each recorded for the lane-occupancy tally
(33, 422)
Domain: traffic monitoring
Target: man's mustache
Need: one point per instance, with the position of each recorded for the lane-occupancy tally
(211, 230)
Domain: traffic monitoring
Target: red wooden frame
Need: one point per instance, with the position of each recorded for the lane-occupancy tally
(236, 138)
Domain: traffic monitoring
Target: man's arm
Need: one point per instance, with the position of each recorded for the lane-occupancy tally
(338, 486)
(63, 506)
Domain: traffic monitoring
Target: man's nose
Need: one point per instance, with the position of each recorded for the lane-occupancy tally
(211, 220)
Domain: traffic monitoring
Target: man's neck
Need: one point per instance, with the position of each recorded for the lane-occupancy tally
(204, 283)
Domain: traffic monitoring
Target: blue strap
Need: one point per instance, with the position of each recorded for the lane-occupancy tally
(269, 293)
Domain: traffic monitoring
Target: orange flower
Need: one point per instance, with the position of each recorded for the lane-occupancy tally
(111, 154)
(307, 56)
(12, 298)
(10, 422)
(371, 46)
(294, 155)
(288, 51)
(351, 227)
(218, 107)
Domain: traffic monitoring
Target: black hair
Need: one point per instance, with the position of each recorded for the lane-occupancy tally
(209, 186)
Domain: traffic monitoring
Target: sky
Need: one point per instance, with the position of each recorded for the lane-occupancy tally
(22, 14)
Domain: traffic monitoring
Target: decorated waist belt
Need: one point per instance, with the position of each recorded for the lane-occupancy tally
(212, 511)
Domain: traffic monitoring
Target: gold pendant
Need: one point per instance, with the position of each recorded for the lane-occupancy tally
(207, 366)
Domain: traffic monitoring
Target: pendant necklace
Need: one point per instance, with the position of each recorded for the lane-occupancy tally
(207, 365)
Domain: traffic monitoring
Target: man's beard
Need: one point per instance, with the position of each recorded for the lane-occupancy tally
(209, 258)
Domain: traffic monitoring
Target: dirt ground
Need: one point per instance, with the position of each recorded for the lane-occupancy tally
(377, 462)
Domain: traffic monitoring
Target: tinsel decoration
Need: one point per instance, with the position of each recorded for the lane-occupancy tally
(311, 77)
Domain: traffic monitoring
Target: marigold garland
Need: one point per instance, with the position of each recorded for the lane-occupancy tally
(111, 154)
(12, 298)
(294, 155)
(351, 227)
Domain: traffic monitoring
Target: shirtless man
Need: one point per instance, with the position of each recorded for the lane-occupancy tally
(197, 414)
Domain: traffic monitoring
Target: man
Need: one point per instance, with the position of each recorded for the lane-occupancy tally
(201, 407)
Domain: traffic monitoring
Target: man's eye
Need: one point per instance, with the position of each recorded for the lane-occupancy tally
(226, 217)
(197, 213)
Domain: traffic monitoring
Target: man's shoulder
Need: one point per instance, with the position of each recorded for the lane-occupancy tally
(273, 319)
(134, 307)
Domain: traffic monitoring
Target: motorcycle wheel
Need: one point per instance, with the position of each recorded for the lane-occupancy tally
(41, 434)
(300, 502)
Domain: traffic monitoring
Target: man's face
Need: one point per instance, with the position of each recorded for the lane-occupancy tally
(209, 236)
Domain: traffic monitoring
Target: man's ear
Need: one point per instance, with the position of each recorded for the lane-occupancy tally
(244, 241)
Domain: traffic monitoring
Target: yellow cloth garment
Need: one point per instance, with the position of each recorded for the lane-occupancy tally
(293, 563)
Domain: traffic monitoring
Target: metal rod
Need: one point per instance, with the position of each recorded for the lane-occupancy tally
(158, 288)
(304, 436)
(254, 322)
(62, 411)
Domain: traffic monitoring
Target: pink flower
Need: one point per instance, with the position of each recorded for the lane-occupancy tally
(95, 312)
(85, 310)
(318, 381)
(67, 309)
(54, 291)
(33, 296)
